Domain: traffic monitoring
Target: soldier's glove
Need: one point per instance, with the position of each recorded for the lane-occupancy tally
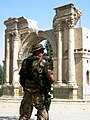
(51, 77)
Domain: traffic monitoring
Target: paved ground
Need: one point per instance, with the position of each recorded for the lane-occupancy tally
(60, 110)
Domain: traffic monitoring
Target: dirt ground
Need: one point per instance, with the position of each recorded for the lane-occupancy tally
(59, 110)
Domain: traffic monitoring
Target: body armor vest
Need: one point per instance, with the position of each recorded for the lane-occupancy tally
(33, 73)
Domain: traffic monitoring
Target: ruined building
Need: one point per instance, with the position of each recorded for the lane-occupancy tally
(71, 52)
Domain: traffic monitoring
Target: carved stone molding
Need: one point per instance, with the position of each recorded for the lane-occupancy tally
(70, 23)
(7, 35)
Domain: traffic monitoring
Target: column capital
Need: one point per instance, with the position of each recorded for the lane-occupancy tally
(16, 32)
(15, 35)
(7, 35)
(58, 25)
(70, 22)
(61, 26)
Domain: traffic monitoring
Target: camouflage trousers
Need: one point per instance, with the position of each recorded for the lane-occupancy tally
(30, 100)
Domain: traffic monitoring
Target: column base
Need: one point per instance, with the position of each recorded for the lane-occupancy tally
(10, 90)
(64, 91)
(17, 90)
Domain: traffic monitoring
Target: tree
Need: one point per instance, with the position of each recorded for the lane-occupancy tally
(49, 53)
(1, 74)
(49, 48)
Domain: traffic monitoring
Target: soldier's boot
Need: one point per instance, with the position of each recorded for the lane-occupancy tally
(42, 115)
(23, 118)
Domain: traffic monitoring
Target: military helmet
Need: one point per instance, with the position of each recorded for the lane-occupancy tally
(37, 47)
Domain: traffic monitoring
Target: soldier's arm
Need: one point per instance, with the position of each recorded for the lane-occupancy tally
(22, 74)
(50, 76)
(49, 73)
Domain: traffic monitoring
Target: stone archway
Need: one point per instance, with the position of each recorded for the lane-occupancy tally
(35, 38)
(21, 33)
(18, 44)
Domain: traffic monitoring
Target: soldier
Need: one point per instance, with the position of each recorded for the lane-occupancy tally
(36, 78)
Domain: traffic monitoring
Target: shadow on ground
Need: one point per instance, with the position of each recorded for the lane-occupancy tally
(10, 118)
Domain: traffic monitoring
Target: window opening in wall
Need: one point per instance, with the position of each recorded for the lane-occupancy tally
(87, 61)
(86, 36)
(87, 77)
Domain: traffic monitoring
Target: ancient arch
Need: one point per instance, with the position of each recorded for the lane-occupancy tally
(18, 45)
(35, 38)
(21, 33)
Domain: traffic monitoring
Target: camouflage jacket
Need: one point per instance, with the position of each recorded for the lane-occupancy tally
(35, 73)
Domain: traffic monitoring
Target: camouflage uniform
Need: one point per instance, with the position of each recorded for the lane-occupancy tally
(35, 82)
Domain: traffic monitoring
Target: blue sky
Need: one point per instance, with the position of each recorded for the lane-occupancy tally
(41, 11)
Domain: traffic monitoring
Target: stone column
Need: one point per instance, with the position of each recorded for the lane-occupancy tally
(59, 57)
(15, 58)
(15, 65)
(7, 88)
(71, 59)
(7, 55)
